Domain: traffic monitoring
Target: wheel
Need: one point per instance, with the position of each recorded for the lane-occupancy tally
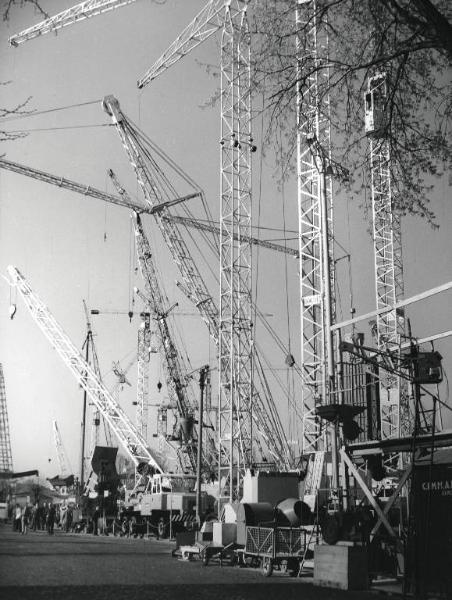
(205, 559)
(267, 567)
(162, 528)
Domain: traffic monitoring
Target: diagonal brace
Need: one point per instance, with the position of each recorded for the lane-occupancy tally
(367, 492)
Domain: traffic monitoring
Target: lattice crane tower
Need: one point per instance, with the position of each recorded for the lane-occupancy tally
(315, 204)
(387, 255)
(6, 459)
(235, 326)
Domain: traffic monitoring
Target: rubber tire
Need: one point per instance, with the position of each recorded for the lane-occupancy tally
(267, 567)
(162, 529)
(205, 559)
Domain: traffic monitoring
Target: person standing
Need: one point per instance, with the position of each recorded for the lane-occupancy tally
(50, 519)
(34, 516)
(96, 517)
(68, 519)
(18, 518)
(26, 513)
(63, 517)
(43, 517)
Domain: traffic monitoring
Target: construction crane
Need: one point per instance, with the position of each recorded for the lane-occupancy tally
(235, 343)
(6, 460)
(83, 10)
(130, 439)
(150, 177)
(315, 208)
(63, 461)
(96, 418)
(266, 418)
(389, 288)
(134, 204)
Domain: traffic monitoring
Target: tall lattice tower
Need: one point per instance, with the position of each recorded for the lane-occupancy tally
(6, 459)
(315, 207)
(394, 411)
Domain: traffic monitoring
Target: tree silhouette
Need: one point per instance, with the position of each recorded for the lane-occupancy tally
(408, 40)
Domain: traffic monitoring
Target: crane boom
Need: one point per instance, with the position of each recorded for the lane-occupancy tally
(130, 439)
(127, 202)
(207, 22)
(153, 197)
(83, 10)
(174, 367)
(63, 461)
(143, 163)
(193, 223)
(6, 460)
(277, 445)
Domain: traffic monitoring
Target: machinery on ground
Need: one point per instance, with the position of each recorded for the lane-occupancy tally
(157, 496)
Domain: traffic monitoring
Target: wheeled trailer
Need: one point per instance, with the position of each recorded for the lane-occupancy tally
(281, 548)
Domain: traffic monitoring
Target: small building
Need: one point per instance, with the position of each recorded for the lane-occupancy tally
(62, 485)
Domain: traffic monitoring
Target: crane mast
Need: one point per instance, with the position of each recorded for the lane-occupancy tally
(93, 360)
(235, 341)
(388, 257)
(83, 10)
(6, 460)
(65, 468)
(130, 439)
(315, 207)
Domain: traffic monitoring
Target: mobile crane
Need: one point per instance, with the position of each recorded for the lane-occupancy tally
(157, 496)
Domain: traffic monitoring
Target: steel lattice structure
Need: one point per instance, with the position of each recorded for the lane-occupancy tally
(236, 343)
(143, 358)
(84, 10)
(136, 146)
(265, 415)
(314, 191)
(6, 459)
(175, 370)
(95, 415)
(127, 202)
(131, 440)
(387, 253)
(63, 461)
(236, 350)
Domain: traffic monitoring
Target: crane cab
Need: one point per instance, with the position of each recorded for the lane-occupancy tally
(375, 117)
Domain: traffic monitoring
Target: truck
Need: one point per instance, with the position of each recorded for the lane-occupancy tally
(164, 504)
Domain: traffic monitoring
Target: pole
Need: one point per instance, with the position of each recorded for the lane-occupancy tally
(82, 452)
(330, 379)
(202, 382)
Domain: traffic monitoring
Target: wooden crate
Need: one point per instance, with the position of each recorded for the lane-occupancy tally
(341, 566)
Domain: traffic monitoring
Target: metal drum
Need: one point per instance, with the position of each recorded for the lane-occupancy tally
(253, 513)
(293, 512)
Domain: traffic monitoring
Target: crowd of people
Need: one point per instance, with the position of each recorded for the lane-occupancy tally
(44, 517)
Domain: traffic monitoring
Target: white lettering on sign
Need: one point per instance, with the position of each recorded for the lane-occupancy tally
(434, 486)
